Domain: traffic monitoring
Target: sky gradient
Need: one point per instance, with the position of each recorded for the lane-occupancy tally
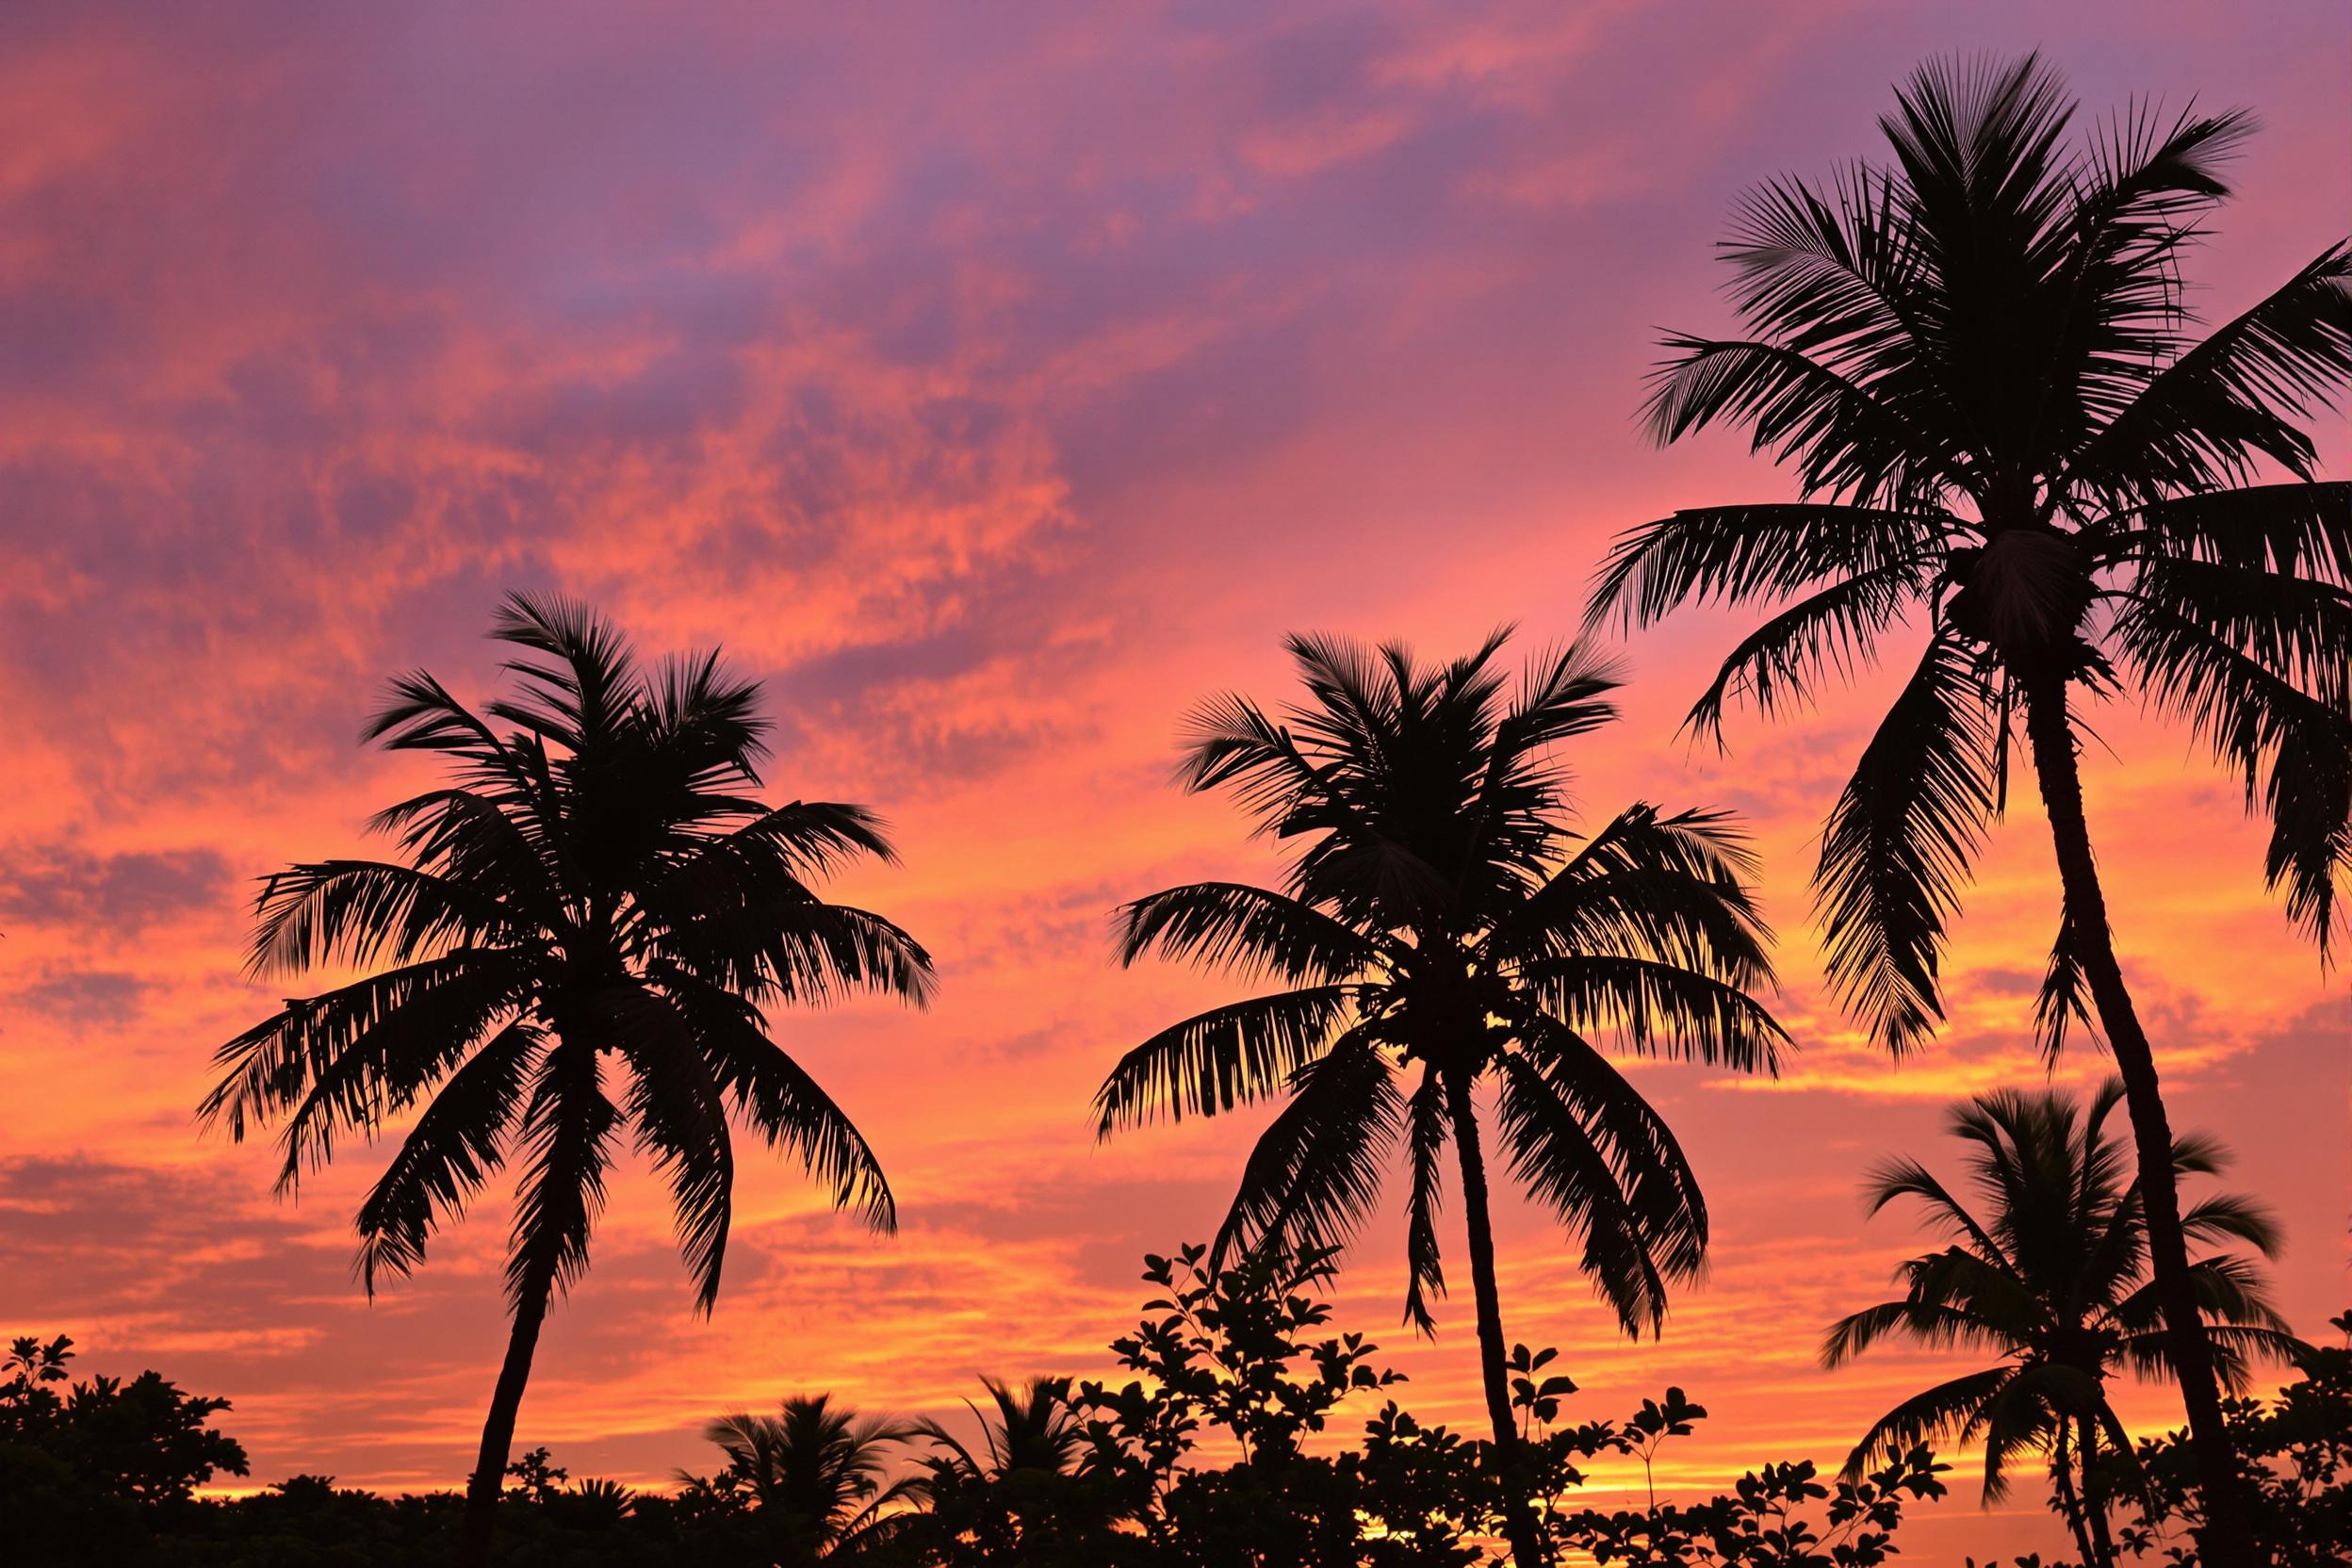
(997, 383)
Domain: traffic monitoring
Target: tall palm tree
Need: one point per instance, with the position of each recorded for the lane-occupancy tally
(595, 882)
(817, 1470)
(1441, 930)
(2050, 1272)
(1977, 362)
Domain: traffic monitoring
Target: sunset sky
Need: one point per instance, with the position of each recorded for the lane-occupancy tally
(997, 381)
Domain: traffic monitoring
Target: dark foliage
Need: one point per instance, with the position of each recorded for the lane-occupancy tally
(2045, 1274)
(1221, 1452)
(82, 1466)
(2297, 1448)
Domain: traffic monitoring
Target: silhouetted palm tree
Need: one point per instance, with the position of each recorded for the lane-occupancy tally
(1442, 925)
(593, 883)
(2050, 1272)
(1976, 362)
(817, 1470)
(1033, 1429)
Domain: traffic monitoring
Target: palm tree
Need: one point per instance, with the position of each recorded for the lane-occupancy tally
(817, 1470)
(1020, 1494)
(1033, 1429)
(1976, 361)
(1441, 929)
(2050, 1272)
(595, 882)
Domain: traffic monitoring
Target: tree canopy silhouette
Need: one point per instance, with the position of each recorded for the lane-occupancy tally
(1033, 1427)
(1977, 360)
(2049, 1270)
(589, 928)
(818, 1472)
(1443, 928)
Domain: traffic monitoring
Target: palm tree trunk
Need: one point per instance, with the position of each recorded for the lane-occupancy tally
(1526, 1549)
(2094, 1507)
(2069, 1500)
(498, 1432)
(2225, 1542)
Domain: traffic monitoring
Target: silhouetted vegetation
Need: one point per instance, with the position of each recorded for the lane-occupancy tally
(2296, 1451)
(2048, 1272)
(1236, 1364)
(815, 1476)
(1975, 360)
(593, 882)
(1224, 1448)
(1443, 928)
(90, 1467)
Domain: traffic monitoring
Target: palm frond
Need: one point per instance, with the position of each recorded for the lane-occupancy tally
(1655, 1008)
(1898, 844)
(456, 1145)
(676, 1107)
(359, 912)
(1226, 1057)
(2063, 1001)
(2293, 747)
(1841, 438)
(2297, 629)
(1834, 273)
(1639, 1225)
(1428, 1126)
(1927, 1417)
(780, 1098)
(2026, 1416)
(489, 847)
(1929, 1323)
(1907, 1178)
(1252, 931)
(2302, 529)
(1742, 554)
(567, 1126)
(434, 1009)
(582, 688)
(2200, 422)
(1639, 1145)
(1317, 1169)
(2227, 1216)
(1780, 665)
(1669, 888)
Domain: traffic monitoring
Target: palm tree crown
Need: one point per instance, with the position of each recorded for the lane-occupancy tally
(1442, 927)
(1034, 1429)
(1977, 362)
(590, 924)
(2050, 1272)
(817, 1470)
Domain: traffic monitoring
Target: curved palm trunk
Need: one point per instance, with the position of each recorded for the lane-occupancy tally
(1526, 1549)
(498, 1432)
(2225, 1542)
